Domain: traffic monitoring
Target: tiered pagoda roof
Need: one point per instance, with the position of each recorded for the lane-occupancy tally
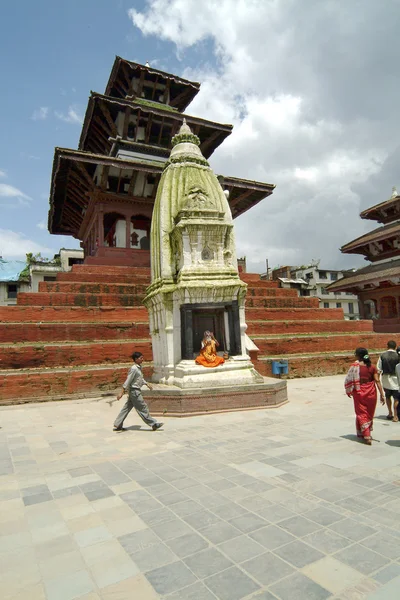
(125, 142)
(378, 246)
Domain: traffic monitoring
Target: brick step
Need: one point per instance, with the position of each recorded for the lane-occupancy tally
(70, 287)
(318, 343)
(270, 302)
(260, 292)
(79, 332)
(387, 326)
(32, 385)
(72, 314)
(60, 299)
(298, 327)
(65, 354)
(254, 279)
(100, 278)
(313, 365)
(293, 314)
(111, 270)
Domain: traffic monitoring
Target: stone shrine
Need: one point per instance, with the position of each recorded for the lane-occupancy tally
(195, 286)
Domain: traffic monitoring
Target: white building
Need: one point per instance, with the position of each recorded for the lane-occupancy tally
(11, 283)
(47, 271)
(317, 280)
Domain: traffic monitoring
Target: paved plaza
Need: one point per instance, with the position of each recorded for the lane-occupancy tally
(281, 503)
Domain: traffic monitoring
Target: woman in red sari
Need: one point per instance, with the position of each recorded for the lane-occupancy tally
(361, 384)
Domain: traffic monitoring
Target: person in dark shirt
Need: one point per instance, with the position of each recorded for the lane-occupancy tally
(386, 366)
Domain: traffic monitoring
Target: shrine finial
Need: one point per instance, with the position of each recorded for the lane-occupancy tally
(394, 192)
(185, 134)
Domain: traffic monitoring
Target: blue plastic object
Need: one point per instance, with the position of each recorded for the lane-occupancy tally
(280, 367)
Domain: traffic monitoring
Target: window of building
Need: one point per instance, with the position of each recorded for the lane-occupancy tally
(324, 291)
(338, 305)
(308, 275)
(326, 304)
(75, 261)
(12, 290)
(49, 278)
(351, 308)
(338, 293)
(333, 276)
(322, 275)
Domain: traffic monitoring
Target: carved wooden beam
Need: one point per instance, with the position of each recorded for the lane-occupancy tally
(85, 175)
(238, 199)
(108, 118)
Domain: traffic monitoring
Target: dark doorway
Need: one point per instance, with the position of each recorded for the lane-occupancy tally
(211, 320)
(198, 318)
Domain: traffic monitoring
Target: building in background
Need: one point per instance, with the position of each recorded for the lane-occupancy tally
(316, 284)
(313, 281)
(47, 270)
(10, 281)
(377, 285)
(18, 276)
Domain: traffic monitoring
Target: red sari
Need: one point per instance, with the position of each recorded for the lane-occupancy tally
(365, 401)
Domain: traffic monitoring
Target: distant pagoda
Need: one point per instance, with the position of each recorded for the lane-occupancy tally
(378, 284)
(103, 193)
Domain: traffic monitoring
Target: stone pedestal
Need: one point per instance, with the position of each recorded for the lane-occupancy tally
(172, 401)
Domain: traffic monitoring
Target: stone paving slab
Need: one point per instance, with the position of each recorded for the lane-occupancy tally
(255, 505)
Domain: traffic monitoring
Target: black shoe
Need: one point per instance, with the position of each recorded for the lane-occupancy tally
(119, 429)
(157, 426)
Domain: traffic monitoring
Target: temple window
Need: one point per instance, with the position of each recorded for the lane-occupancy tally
(131, 131)
(140, 233)
(114, 230)
(112, 183)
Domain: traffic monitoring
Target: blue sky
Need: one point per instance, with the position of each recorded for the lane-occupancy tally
(51, 55)
(310, 86)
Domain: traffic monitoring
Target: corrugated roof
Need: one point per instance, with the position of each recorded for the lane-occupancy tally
(286, 280)
(11, 269)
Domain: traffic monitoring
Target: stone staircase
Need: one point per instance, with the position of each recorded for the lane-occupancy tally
(75, 336)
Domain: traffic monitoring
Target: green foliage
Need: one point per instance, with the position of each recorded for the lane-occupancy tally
(32, 259)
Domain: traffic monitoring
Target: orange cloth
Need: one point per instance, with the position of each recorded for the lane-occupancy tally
(208, 356)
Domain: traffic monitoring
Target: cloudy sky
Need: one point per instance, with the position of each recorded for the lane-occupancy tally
(311, 87)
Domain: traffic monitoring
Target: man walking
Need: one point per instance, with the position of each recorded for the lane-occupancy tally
(387, 367)
(133, 385)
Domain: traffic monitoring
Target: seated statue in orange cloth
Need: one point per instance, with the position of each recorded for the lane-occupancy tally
(208, 356)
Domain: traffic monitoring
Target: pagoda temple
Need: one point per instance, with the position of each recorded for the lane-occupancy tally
(103, 193)
(378, 284)
(73, 338)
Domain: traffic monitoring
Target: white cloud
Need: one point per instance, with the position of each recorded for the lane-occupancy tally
(3, 173)
(9, 191)
(72, 116)
(42, 225)
(14, 244)
(40, 114)
(295, 81)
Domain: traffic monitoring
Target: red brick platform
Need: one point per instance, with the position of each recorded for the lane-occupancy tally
(75, 336)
